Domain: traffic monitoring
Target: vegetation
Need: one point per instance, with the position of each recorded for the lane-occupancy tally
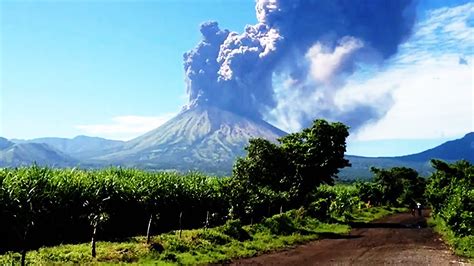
(43, 206)
(450, 192)
(286, 175)
(462, 245)
(398, 186)
(200, 246)
(238, 216)
(222, 243)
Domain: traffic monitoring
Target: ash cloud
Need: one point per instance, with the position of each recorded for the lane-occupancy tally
(291, 64)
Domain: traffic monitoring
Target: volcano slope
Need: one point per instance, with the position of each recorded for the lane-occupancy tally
(203, 138)
(401, 239)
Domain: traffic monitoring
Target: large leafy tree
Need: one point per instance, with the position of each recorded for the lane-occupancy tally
(293, 169)
(315, 155)
(260, 180)
(265, 164)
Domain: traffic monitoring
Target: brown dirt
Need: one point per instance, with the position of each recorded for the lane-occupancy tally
(400, 239)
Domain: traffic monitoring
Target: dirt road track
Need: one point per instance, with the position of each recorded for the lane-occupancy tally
(401, 239)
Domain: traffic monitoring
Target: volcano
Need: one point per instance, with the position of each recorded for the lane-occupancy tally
(203, 138)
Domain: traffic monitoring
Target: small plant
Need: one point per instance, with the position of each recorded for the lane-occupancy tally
(215, 237)
(233, 228)
(281, 224)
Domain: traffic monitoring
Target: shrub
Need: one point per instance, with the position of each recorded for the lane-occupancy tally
(233, 228)
(450, 192)
(215, 237)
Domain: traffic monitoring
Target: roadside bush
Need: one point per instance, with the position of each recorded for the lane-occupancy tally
(233, 228)
(320, 208)
(215, 237)
(370, 192)
(280, 224)
(450, 192)
(285, 223)
(336, 202)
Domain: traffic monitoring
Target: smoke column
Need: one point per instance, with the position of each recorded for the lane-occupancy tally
(290, 65)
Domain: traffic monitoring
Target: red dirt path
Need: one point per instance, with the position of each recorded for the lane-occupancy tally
(400, 239)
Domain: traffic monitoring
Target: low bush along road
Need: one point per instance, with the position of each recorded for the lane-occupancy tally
(400, 239)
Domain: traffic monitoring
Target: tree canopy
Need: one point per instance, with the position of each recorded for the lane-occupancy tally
(398, 185)
(298, 164)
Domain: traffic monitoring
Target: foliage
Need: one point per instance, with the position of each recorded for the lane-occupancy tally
(284, 223)
(462, 245)
(335, 202)
(233, 229)
(371, 193)
(450, 192)
(199, 246)
(288, 173)
(395, 186)
(374, 213)
(316, 154)
(44, 206)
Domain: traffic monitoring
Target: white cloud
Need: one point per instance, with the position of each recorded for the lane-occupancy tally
(433, 94)
(126, 127)
(432, 99)
(325, 63)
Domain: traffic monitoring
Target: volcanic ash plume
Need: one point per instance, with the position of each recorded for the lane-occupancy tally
(290, 65)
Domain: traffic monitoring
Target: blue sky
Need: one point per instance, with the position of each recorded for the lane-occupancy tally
(114, 69)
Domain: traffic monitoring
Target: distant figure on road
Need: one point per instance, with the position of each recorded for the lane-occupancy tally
(418, 207)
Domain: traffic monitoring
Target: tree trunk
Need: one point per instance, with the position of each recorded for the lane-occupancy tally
(93, 252)
(23, 257)
(180, 227)
(207, 221)
(148, 231)
(23, 251)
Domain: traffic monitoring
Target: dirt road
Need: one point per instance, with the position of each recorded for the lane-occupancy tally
(401, 239)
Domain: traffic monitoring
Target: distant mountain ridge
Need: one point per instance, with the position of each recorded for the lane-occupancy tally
(5, 143)
(462, 148)
(454, 150)
(202, 138)
(79, 147)
(23, 154)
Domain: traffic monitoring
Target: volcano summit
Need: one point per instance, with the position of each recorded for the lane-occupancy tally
(202, 138)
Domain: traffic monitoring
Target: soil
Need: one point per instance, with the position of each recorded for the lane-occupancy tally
(401, 239)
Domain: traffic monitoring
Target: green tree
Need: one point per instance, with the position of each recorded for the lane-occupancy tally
(399, 185)
(370, 192)
(315, 155)
(265, 165)
(289, 172)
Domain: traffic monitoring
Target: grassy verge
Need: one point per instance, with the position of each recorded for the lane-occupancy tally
(462, 246)
(200, 246)
(374, 213)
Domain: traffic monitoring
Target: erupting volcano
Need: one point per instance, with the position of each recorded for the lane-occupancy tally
(287, 69)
